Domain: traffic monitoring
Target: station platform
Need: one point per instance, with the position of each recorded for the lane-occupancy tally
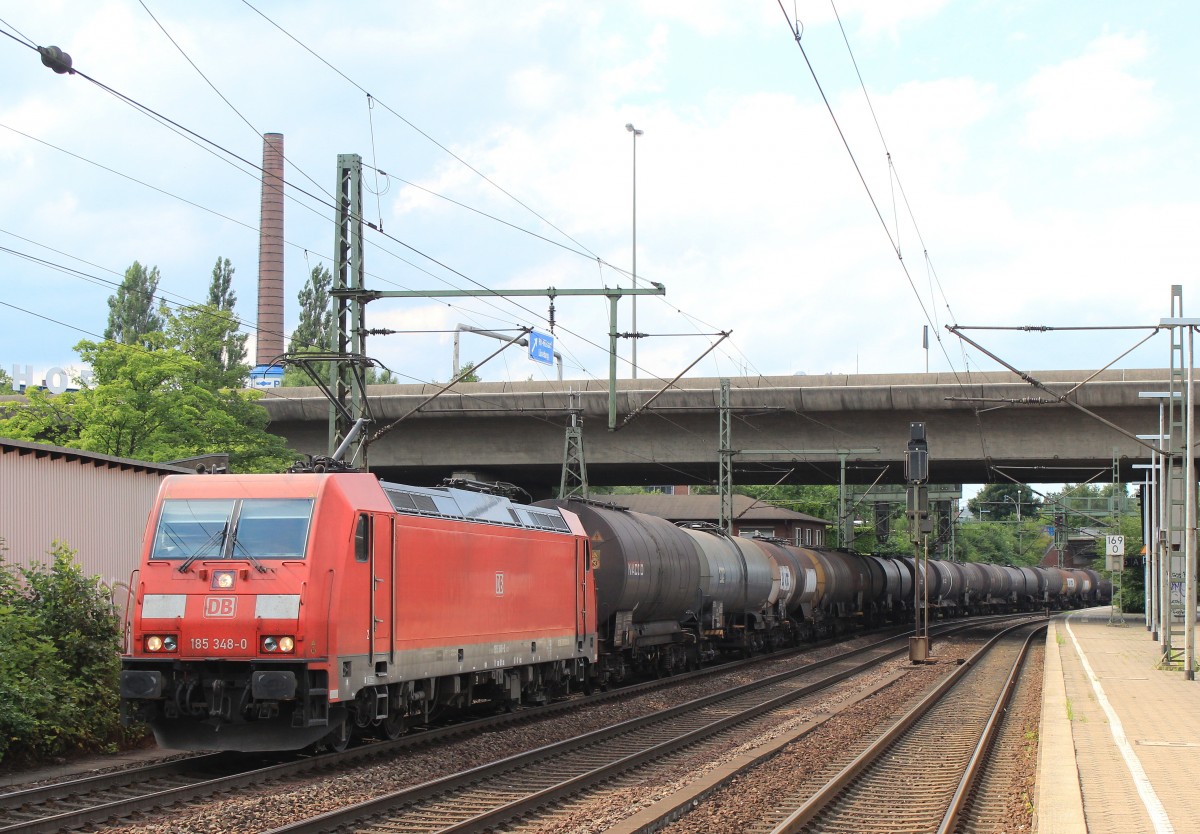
(1119, 749)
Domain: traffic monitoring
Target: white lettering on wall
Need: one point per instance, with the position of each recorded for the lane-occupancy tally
(56, 380)
(21, 379)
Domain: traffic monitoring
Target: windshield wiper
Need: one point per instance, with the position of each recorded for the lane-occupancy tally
(218, 536)
(237, 545)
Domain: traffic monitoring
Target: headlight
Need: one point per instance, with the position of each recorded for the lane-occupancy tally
(223, 580)
(161, 643)
(278, 645)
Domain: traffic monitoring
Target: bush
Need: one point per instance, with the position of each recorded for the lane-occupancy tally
(60, 643)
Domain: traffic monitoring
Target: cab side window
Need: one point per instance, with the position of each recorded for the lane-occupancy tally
(362, 539)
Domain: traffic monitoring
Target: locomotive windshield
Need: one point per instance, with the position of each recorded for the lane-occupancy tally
(245, 528)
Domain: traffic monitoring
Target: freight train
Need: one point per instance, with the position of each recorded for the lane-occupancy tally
(276, 612)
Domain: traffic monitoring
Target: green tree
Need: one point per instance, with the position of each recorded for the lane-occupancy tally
(315, 329)
(469, 370)
(59, 660)
(998, 502)
(5, 383)
(1090, 505)
(220, 287)
(986, 542)
(229, 351)
(155, 405)
(384, 376)
(210, 336)
(314, 333)
(131, 311)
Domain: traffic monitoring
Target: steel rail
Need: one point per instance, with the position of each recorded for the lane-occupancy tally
(795, 822)
(354, 816)
(19, 813)
(18, 808)
(975, 765)
(102, 781)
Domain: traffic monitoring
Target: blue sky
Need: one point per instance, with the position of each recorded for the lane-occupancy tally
(1046, 150)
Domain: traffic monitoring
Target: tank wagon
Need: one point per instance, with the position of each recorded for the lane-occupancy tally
(282, 611)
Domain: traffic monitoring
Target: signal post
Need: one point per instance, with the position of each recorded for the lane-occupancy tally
(920, 525)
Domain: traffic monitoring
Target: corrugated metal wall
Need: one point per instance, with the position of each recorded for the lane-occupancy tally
(100, 511)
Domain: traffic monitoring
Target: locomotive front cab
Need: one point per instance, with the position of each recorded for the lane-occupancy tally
(220, 647)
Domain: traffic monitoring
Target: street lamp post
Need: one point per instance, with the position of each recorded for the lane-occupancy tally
(636, 133)
(1020, 547)
(1016, 503)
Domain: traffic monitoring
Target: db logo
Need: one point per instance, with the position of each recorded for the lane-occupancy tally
(219, 606)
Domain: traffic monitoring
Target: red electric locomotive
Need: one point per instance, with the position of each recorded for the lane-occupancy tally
(275, 611)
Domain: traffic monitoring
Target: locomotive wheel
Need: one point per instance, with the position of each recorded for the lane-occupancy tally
(339, 737)
(392, 727)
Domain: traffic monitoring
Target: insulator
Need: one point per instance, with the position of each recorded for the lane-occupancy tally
(56, 59)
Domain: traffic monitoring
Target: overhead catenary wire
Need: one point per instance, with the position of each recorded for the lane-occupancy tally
(796, 34)
(583, 250)
(214, 146)
(413, 126)
(178, 301)
(256, 167)
(267, 392)
(326, 258)
(194, 136)
(222, 96)
(27, 41)
(893, 174)
(893, 177)
(683, 475)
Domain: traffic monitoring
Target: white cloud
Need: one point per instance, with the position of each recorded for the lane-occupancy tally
(1094, 97)
(749, 209)
(877, 19)
(537, 88)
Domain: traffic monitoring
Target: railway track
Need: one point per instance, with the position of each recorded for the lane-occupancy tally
(529, 790)
(95, 799)
(99, 800)
(919, 776)
(989, 806)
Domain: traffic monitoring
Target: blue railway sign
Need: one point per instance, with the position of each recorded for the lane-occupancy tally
(541, 347)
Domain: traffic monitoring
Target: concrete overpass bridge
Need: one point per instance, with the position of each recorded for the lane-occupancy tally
(791, 429)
